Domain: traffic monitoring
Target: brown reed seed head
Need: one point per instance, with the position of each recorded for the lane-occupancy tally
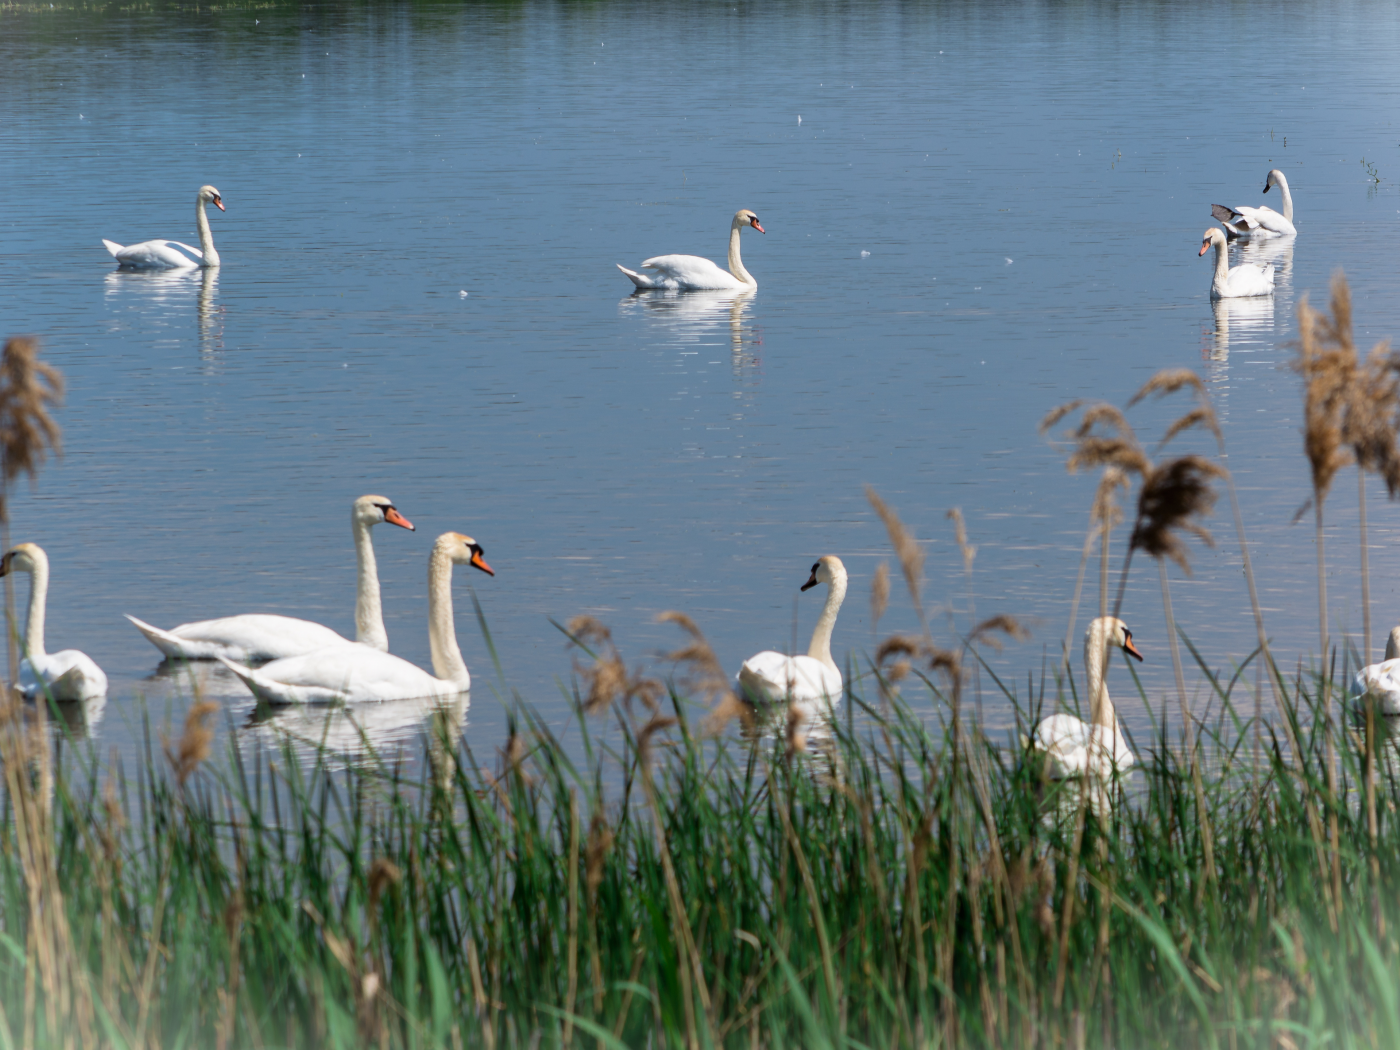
(906, 547)
(988, 630)
(1103, 438)
(585, 630)
(1372, 417)
(969, 552)
(382, 874)
(1172, 495)
(1169, 381)
(28, 388)
(193, 745)
(1327, 362)
(879, 594)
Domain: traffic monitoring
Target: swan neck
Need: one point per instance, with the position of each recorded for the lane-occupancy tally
(442, 633)
(736, 262)
(1392, 645)
(369, 614)
(1222, 262)
(1101, 711)
(1287, 199)
(38, 599)
(820, 649)
(206, 237)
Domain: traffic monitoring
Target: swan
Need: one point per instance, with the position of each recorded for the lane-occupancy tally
(1382, 679)
(266, 636)
(173, 255)
(349, 673)
(1097, 747)
(1259, 223)
(685, 273)
(810, 679)
(66, 675)
(1244, 280)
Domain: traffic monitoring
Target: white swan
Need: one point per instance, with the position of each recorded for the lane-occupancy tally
(173, 255)
(350, 673)
(1382, 679)
(812, 679)
(66, 675)
(1243, 280)
(1259, 223)
(1074, 748)
(684, 273)
(267, 636)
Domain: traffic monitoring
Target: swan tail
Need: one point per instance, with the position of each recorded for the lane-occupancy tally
(171, 646)
(641, 280)
(271, 691)
(112, 246)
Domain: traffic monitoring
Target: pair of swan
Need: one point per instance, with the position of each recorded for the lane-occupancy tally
(1246, 223)
(1073, 747)
(65, 675)
(810, 681)
(685, 273)
(254, 637)
(173, 255)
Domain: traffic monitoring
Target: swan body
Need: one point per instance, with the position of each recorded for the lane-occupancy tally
(692, 273)
(1259, 223)
(809, 680)
(1246, 279)
(1383, 679)
(173, 255)
(254, 637)
(356, 673)
(1075, 748)
(65, 675)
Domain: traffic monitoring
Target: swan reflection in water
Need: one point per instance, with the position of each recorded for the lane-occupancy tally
(355, 731)
(1276, 252)
(1249, 322)
(77, 719)
(173, 289)
(692, 316)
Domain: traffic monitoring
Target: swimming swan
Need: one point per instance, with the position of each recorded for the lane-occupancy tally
(173, 255)
(1073, 747)
(66, 675)
(267, 636)
(810, 679)
(1243, 280)
(1382, 679)
(354, 673)
(690, 272)
(1259, 223)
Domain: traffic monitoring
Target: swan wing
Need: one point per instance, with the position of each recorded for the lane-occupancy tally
(1248, 279)
(251, 637)
(155, 255)
(772, 677)
(346, 673)
(1262, 221)
(685, 272)
(1074, 747)
(1381, 680)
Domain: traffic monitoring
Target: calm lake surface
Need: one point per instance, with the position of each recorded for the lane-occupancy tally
(974, 212)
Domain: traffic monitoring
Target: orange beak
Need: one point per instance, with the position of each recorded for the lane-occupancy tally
(1131, 649)
(393, 517)
(757, 227)
(218, 202)
(1205, 247)
(480, 563)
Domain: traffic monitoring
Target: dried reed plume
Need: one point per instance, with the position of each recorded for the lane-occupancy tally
(193, 746)
(906, 548)
(705, 677)
(28, 387)
(606, 677)
(1172, 497)
(879, 595)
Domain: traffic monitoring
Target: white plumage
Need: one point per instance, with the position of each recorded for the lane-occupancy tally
(254, 637)
(1246, 279)
(693, 273)
(65, 675)
(813, 680)
(173, 255)
(1259, 223)
(1382, 679)
(1074, 748)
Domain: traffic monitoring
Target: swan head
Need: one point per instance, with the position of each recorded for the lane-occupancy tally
(1114, 632)
(744, 217)
(1275, 179)
(827, 569)
(209, 195)
(1213, 238)
(22, 557)
(462, 550)
(371, 510)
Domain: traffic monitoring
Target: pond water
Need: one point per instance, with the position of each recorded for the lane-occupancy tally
(974, 212)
